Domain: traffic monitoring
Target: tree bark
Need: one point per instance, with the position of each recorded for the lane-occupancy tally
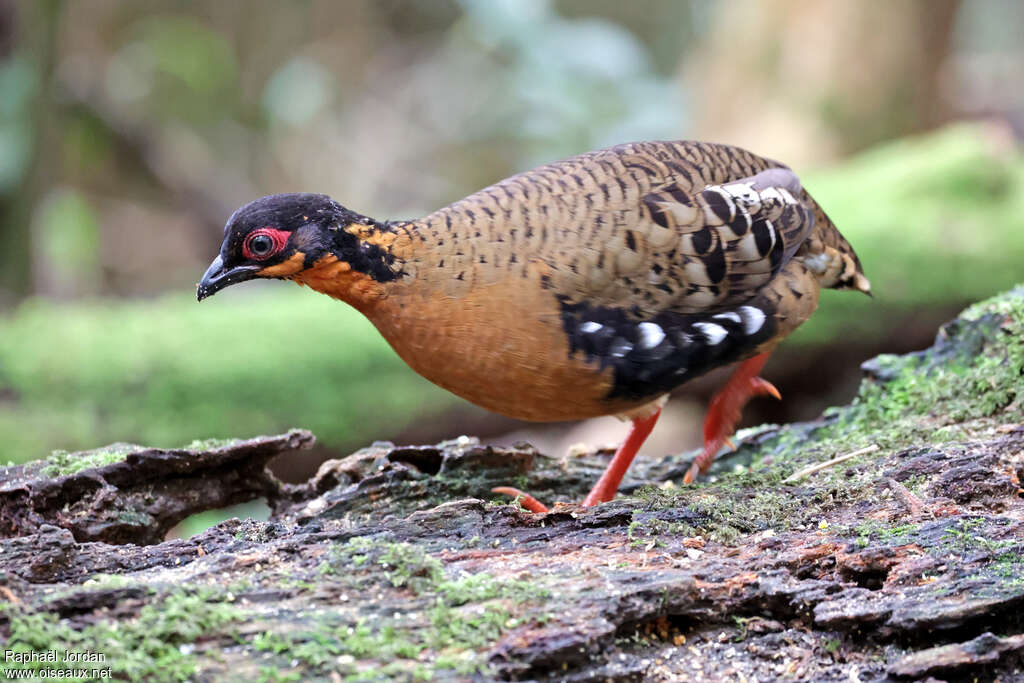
(901, 559)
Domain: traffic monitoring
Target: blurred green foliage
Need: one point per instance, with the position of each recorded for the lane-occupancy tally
(580, 83)
(166, 371)
(68, 232)
(936, 219)
(176, 68)
(164, 117)
(18, 83)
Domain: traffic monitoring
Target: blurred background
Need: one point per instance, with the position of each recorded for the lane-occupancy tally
(130, 130)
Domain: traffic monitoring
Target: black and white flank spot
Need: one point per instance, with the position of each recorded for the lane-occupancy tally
(650, 357)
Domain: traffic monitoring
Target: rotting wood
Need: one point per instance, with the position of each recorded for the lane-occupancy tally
(393, 563)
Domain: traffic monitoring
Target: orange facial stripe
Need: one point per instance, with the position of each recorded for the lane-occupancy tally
(286, 268)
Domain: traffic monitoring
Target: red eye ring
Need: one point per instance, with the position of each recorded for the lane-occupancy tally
(254, 252)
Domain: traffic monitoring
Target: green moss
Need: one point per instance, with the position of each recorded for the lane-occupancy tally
(723, 511)
(964, 535)
(151, 647)
(928, 398)
(872, 533)
(448, 640)
(967, 534)
(1009, 567)
(109, 581)
(917, 483)
(1005, 563)
(62, 463)
(483, 586)
(209, 444)
(269, 674)
(449, 620)
(409, 566)
(460, 631)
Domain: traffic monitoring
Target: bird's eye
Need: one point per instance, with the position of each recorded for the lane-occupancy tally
(260, 245)
(264, 243)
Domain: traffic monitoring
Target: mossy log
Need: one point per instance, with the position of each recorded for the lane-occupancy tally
(795, 560)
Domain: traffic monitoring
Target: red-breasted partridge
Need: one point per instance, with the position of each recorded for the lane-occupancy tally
(592, 286)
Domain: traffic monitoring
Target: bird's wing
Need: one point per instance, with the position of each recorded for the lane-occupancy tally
(684, 241)
(734, 237)
(656, 259)
(685, 278)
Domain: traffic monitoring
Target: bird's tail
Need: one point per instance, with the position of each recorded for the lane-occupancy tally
(831, 257)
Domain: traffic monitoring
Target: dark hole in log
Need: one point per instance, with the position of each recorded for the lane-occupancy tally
(872, 578)
(668, 628)
(426, 460)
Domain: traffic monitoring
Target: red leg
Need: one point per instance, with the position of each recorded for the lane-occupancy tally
(727, 407)
(606, 487)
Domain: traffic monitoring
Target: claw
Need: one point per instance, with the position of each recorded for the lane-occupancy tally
(605, 488)
(524, 499)
(759, 386)
(703, 461)
(691, 474)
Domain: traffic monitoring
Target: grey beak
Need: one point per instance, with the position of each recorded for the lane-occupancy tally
(216, 278)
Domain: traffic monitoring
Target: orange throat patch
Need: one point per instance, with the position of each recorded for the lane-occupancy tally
(336, 279)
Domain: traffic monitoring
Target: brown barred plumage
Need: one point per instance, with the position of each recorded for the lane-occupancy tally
(591, 286)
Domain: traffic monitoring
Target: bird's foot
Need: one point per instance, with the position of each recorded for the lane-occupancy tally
(524, 499)
(726, 409)
(606, 487)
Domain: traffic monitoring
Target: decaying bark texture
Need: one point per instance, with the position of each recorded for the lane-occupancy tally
(903, 562)
(143, 492)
